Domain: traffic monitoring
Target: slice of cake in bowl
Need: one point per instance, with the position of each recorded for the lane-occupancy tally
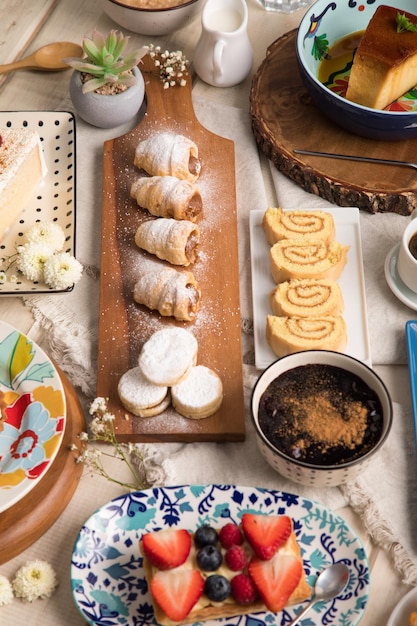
(385, 63)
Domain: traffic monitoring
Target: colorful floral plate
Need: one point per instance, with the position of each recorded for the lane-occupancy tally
(33, 410)
(107, 577)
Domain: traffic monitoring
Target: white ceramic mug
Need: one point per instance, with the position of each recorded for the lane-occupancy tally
(407, 263)
(223, 56)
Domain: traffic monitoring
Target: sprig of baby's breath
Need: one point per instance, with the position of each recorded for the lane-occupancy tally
(102, 430)
(173, 66)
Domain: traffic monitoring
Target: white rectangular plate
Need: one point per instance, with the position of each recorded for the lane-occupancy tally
(55, 198)
(352, 283)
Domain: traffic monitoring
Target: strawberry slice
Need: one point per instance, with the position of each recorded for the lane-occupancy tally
(166, 549)
(176, 592)
(266, 533)
(276, 579)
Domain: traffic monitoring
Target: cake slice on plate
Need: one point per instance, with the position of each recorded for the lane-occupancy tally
(22, 167)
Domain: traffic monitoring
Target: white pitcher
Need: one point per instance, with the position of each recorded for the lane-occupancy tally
(223, 56)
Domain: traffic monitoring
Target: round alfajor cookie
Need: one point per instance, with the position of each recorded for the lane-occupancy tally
(141, 397)
(199, 394)
(168, 355)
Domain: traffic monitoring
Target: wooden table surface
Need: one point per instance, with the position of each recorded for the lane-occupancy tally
(25, 26)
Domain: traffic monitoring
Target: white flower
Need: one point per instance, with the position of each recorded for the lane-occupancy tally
(31, 259)
(99, 405)
(6, 591)
(35, 579)
(47, 232)
(62, 270)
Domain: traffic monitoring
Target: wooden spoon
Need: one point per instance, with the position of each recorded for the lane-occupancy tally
(48, 58)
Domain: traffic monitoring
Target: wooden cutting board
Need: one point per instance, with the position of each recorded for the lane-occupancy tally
(30, 518)
(284, 118)
(19, 24)
(123, 325)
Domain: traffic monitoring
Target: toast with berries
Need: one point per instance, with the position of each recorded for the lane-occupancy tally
(235, 570)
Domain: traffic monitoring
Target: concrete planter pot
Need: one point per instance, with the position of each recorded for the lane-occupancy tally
(107, 111)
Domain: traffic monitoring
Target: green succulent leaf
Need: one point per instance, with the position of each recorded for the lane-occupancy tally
(93, 84)
(105, 60)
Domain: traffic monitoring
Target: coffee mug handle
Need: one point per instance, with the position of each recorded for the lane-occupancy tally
(414, 214)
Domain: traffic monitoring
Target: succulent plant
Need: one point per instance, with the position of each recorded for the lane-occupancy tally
(104, 60)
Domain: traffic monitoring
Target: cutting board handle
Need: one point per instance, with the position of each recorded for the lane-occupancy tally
(162, 103)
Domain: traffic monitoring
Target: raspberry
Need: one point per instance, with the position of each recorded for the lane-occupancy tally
(230, 535)
(243, 590)
(236, 558)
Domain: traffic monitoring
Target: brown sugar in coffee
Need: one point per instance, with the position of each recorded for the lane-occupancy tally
(321, 414)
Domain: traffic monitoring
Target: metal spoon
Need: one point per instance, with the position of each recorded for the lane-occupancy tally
(329, 584)
(48, 58)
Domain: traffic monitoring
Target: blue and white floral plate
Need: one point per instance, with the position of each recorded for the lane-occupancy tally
(107, 577)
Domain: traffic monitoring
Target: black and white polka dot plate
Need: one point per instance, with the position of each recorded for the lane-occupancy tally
(54, 200)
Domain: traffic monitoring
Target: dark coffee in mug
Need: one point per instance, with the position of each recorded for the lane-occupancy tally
(412, 245)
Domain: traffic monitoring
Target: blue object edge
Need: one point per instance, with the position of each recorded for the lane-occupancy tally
(411, 337)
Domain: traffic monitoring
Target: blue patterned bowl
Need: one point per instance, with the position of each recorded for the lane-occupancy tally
(325, 23)
(302, 472)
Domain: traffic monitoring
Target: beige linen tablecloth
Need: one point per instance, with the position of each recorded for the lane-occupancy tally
(71, 338)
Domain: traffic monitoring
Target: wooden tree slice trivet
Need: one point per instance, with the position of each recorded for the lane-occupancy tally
(124, 325)
(26, 521)
(284, 118)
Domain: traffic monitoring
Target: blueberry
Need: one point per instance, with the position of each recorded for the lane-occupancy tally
(217, 588)
(209, 558)
(205, 536)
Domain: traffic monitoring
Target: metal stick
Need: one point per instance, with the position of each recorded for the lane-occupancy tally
(351, 157)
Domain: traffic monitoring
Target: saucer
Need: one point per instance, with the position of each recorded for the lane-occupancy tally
(395, 283)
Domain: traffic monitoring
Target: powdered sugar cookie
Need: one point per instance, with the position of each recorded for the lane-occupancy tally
(168, 355)
(156, 410)
(141, 397)
(199, 394)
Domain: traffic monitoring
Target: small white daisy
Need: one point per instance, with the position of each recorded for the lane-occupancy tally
(62, 270)
(6, 591)
(35, 579)
(31, 259)
(48, 233)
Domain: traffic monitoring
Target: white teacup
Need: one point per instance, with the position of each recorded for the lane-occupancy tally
(407, 263)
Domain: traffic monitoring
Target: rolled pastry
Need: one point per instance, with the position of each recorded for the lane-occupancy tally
(167, 290)
(287, 335)
(279, 224)
(307, 258)
(168, 154)
(307, 297)
(167, 196)
(170, 240)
